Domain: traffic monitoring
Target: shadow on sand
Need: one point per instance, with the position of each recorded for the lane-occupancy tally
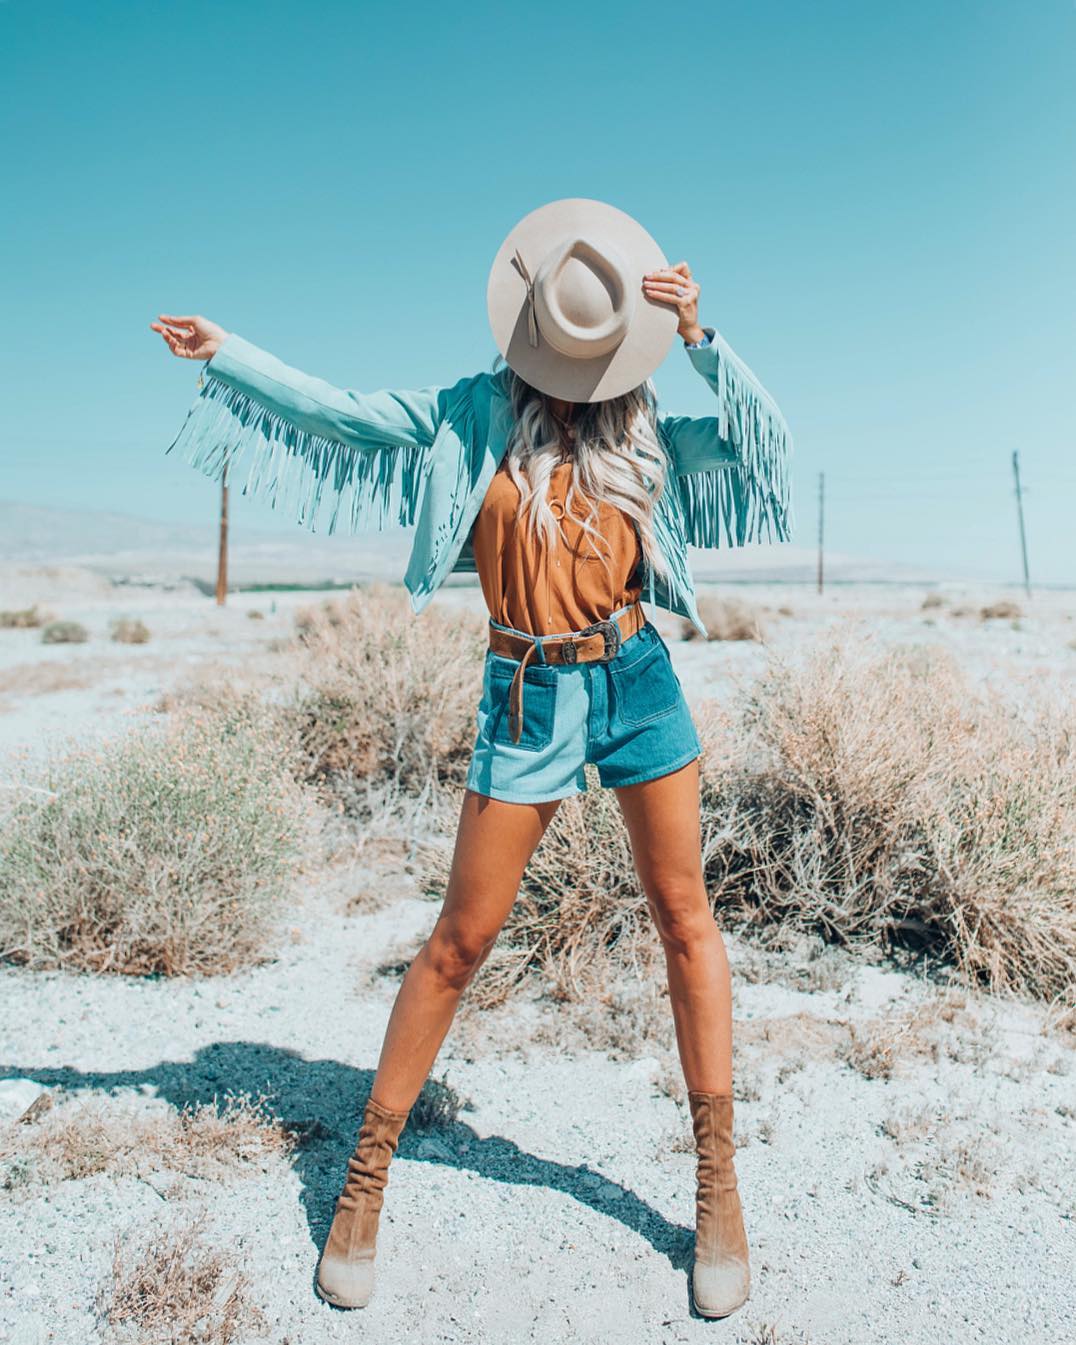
(322, 1100)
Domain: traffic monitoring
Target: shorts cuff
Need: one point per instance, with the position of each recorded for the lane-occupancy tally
(643, 776)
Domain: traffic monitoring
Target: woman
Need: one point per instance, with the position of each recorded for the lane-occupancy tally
(555, 479)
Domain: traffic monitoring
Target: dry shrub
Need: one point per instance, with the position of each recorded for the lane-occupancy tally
(24, 618)
(877, 796)
(127, 630)
(386, 697)
(64, 632)
(1005, 610)
(82, 1138)
(173, 1287)
(166, 852)
(580, 912)
(41, 679)
(726, 619)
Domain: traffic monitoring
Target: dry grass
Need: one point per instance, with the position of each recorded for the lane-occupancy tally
(40, 679)
(174, 1288)
(877, 797)
(166, 852)
(64, 632)
(128, 630)
(81, 1138)
(385, 697)
(725, 619)
(1005, 610)
(24, 618)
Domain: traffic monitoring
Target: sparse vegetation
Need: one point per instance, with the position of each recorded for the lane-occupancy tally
(878, 797)
(1004, 610)
(24, 618)
(166, 852)
(129, 630)
(385, 697)
(437, 1106)
(64, 632)
(83, 1137)
(175, 1288)
(725, 619)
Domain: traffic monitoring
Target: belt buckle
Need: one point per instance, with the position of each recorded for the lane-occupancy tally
(610, 632)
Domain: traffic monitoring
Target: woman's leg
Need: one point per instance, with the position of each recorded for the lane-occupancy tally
(662, 818)
(494, 841)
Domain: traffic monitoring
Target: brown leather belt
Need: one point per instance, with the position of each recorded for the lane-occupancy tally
(594, 644)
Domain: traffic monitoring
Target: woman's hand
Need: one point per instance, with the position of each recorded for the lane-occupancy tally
(673, 285)
(190, 338)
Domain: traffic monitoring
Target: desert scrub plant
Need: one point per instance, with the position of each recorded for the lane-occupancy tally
(82, 1137)
(168, 851)
(24, 618)
(725, 619)
(385, 697)
(64, 632)
(172, 1286)
(129, 630)
(580, 913)
(1003, 610)
(878, 796)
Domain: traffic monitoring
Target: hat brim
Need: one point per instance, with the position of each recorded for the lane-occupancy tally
(653, 324)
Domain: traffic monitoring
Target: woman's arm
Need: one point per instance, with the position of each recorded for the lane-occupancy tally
(363, 420)
(299, 440)
(733, 467)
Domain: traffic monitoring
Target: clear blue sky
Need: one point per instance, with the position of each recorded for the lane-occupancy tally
(879, 201)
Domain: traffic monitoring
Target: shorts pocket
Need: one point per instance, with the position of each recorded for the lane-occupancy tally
(645, 688)
(539, 703)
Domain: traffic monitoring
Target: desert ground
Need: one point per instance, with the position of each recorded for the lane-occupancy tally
(905, 1134)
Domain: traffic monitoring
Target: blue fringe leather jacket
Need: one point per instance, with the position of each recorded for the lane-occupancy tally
(427, 457)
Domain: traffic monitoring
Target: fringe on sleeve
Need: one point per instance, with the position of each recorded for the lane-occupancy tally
(296, 471)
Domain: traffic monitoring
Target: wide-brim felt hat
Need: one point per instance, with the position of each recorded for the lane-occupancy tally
(566, 303)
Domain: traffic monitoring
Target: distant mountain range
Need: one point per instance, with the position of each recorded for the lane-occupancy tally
(126, 546)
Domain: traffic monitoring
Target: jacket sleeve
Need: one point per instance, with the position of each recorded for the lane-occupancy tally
(298, 441)
(733, 468)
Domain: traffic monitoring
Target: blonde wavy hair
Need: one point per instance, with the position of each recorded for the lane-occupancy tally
(617, 458)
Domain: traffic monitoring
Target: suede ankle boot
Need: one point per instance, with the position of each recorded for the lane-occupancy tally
(346, 1270)
(720, 1278)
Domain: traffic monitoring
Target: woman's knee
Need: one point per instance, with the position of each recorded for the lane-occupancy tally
(683, 918)
(454, 953)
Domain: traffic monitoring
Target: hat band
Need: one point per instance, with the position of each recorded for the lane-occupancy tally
(546, 316)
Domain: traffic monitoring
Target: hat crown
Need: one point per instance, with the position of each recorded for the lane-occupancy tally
(566, 303)
(583, 297)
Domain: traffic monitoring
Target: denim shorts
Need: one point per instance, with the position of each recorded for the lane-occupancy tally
(627, 716)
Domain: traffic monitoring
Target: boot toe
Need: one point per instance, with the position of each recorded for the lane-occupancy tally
(346, 1284)
(720, 1288)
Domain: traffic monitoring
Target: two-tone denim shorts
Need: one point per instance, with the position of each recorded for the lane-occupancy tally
(627, 716)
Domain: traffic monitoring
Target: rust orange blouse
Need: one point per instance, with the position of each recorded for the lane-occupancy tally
(543, 590)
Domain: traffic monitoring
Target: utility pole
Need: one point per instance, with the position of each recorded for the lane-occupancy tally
(1020, 517)
(222, 554)
(821, 522)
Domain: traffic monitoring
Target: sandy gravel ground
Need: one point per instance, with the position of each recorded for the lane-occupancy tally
(935, 1204)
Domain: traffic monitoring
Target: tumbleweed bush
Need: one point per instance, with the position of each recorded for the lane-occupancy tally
(168, 851)
(878, 795)
(386, 698)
